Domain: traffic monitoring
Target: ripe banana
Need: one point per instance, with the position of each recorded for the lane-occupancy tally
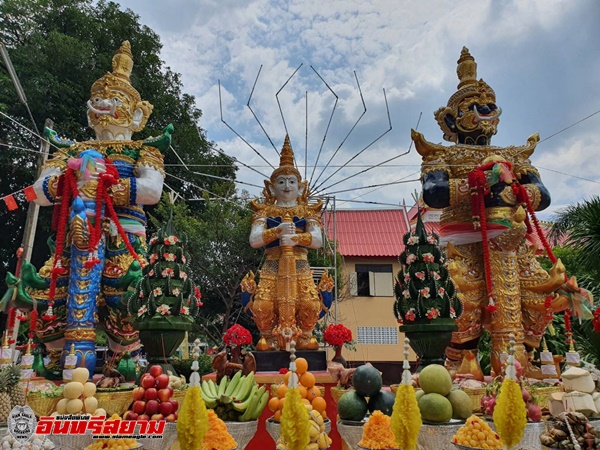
(313, 446)
(316, 417)
(313, 432)
(233, 383)
(324, 441)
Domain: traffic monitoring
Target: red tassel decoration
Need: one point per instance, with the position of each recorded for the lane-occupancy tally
(33, 317)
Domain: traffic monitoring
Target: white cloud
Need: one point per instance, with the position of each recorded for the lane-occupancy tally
(539, 55)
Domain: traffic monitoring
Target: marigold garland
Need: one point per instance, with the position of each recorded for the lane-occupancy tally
(294, 421)
(406, 418)
(192, 423)
(217, 437)
(377, 433)
(510, 413)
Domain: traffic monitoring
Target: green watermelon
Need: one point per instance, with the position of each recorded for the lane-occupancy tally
(352, 406)
(366, 380)
(383, 401)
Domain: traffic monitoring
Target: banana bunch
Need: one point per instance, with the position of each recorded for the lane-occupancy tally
(318, 436)
(238, 399)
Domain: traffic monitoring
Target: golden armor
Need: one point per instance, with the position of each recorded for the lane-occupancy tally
(285, 303)
(520, 286)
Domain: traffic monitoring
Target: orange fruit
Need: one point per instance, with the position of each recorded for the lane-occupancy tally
(303, 391)
(281, 403)
(313, 393)
(274, 404)
(286, 377)
(307, 380)
(281, 390)
(319, 404)
(277, 415)
(301, 366)
(324, 414)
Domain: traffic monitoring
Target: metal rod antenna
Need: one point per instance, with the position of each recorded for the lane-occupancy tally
(328, 123)
(306, 136)
(17, 83)
(349, 132)
(206, 190)
(391, 183)
(233, 159)
(179, 158)
(367, 202)
(360, 152)
(255, 116)
(362, 171)
(236, 133)
(277, 97)
(226, 179)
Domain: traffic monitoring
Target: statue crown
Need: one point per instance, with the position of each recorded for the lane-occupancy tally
(286, 162)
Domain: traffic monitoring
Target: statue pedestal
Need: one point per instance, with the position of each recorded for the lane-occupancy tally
(272, 361)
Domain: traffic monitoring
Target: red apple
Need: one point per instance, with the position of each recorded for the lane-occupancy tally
(171, 418)
(170, 390)
(148, 382)
(151, 407)
(157, 416)
(130, 415)
(175, 414)
(144, 417)
(139, 406)
(165, 408)
(138, 393)
(156, 371)
(150, 394)
(162, 381)
(164, 395)
(175, 404)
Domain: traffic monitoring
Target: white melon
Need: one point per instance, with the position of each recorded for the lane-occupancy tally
(89, 389)
(61, 406)
(73, 390)
(100, 412)
(91, 404)
(74, 406)
(81, 374)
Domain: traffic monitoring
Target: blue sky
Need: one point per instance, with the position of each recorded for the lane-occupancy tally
(540, 56)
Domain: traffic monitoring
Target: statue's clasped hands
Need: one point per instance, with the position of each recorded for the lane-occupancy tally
(287, 231)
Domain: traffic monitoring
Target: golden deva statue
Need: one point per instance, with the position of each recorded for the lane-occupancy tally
(485, 193)
(285, 304)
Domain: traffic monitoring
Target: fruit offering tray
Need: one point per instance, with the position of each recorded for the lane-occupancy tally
(530, 441)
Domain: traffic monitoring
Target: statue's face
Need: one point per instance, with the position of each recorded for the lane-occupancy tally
(286, 188)
(477, 121)
(111, 108)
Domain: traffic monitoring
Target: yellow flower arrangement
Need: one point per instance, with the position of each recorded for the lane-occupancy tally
(192, 423)
(406, 418)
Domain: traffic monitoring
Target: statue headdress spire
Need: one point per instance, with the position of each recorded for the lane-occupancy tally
(286, 162)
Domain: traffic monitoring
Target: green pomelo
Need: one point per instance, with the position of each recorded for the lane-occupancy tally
(419, 393)
(366, 380)
(352, 406)
(435, 408)
(435, 379)
(462, 406)
(383, 401)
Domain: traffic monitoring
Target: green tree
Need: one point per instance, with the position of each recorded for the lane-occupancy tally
(59, 48)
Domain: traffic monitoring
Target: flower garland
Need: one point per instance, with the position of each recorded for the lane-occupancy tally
(236, 336)
(337, 335)
(596, 320)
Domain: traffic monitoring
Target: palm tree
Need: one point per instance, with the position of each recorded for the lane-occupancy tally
(581, 224)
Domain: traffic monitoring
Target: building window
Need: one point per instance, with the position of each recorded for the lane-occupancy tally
(377, 335)
(374, 280)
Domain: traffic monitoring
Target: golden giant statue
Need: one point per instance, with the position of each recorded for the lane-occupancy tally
(286, 303)
(488, 196)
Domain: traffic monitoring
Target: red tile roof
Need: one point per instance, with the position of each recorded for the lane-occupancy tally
(379, 232)
(367, 233)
